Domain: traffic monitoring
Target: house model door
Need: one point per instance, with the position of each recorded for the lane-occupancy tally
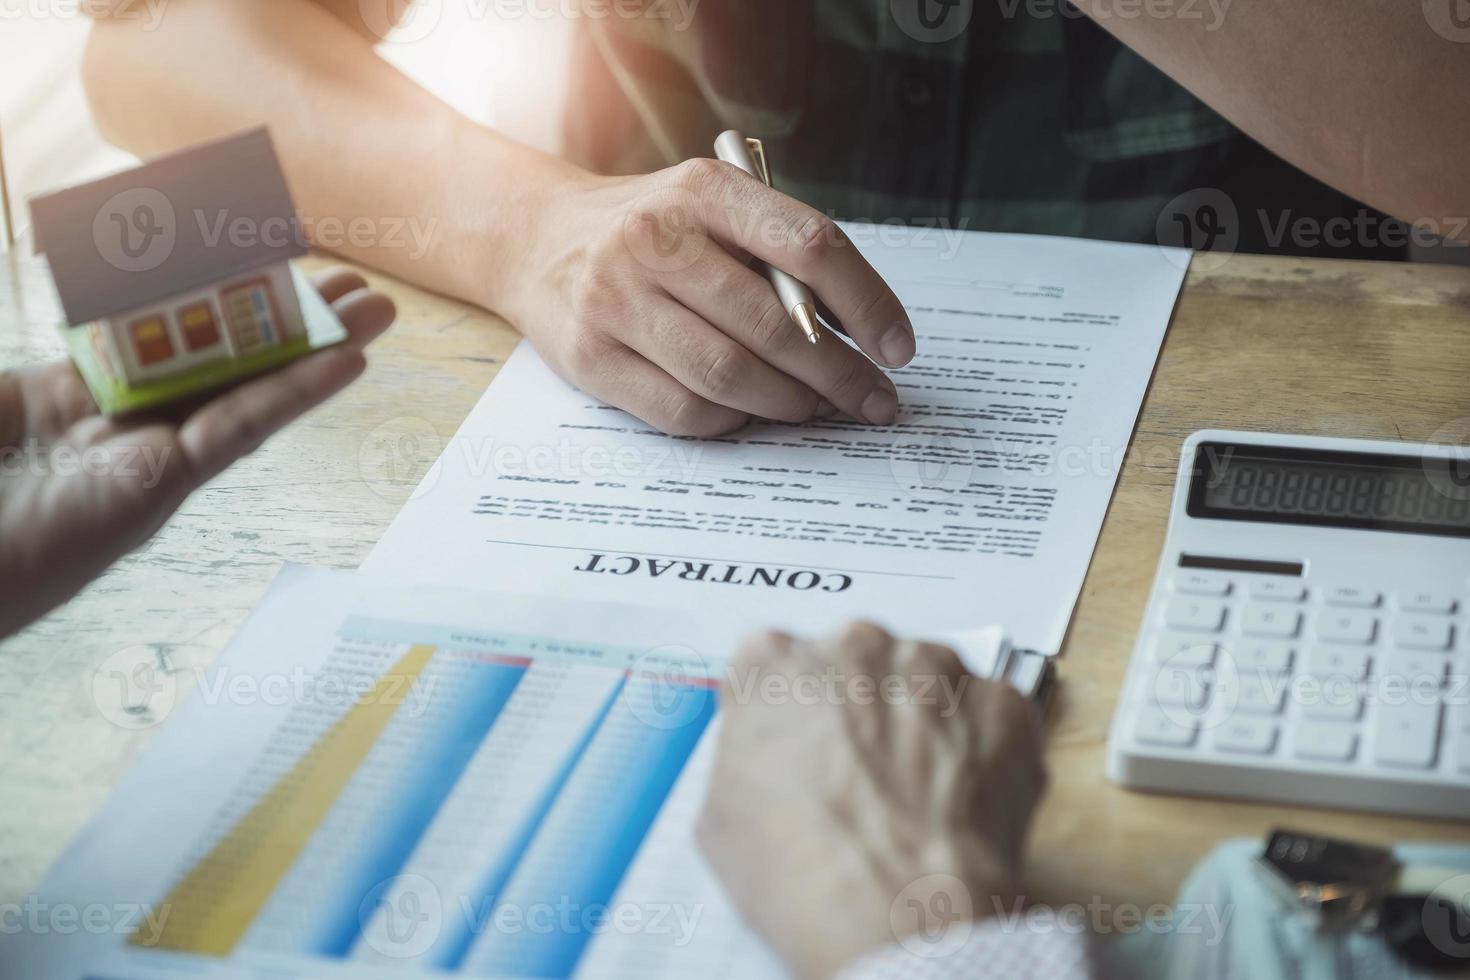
(250, 310)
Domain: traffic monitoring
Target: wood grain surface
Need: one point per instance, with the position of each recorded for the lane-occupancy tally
(1318, 347)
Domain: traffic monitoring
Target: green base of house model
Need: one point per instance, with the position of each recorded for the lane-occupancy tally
(117, 397)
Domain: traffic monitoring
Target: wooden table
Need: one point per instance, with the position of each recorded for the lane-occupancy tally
(1326, 348)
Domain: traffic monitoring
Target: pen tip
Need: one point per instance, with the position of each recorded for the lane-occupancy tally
(806, 319)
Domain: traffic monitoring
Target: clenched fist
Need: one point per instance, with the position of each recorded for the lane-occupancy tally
(863, 785)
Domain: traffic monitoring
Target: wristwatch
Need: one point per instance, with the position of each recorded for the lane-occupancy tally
(1422, 912)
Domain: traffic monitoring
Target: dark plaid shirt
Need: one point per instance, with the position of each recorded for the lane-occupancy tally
(1032, 118)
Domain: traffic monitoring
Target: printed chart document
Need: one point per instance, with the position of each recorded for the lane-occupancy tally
(981, 504)
(380, 782)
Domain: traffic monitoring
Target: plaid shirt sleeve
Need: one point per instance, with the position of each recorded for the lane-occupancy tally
(993, 949)
(994, 119)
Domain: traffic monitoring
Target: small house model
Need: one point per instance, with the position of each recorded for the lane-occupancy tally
(176, 276)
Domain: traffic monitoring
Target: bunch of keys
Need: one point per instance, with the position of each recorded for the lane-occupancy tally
(1422, 913)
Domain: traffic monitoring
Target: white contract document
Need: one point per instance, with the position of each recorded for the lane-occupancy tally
(980, 505)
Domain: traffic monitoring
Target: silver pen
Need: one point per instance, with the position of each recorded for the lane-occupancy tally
(750, 155)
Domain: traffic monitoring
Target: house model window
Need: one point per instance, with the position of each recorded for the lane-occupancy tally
(200, 330)
(151, 343)
(251, 311)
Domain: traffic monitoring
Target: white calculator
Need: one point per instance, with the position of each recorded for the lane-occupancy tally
(1305, 641)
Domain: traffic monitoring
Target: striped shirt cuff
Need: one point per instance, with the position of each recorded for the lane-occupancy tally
(993, 948)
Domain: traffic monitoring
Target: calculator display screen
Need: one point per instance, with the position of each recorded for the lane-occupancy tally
(1409, 493)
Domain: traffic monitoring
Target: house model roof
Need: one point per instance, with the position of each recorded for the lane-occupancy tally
(179, 223)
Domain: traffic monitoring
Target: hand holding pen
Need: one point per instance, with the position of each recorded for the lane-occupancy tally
(639, 291)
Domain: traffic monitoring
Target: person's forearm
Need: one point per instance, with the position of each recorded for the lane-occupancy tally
(630, 287)
(1364, 96)
(437, 199)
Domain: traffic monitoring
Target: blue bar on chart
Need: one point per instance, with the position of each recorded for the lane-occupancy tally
(594, 820)
(459, 931)
(467, 696)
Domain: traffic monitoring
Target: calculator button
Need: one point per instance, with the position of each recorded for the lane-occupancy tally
(1180, 650)
(1203, 615)
(1178, 687)
(1343, 626)
(1428, 602)
(1326, 741)
(1333, 703)
(1423, 632)
(1338, 662)
(1261, 619)
(1158, 728)
(1250, 736)
(1407, 735)
(1262, 656)
(1281, 590)
(1352, 595)
(1260, 696)
(1201, 583)
(1418, 668)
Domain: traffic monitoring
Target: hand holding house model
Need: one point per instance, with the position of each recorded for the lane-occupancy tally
(176, 277)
